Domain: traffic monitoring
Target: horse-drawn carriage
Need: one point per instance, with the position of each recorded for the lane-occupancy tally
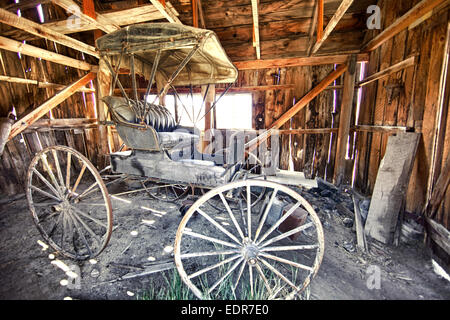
(254, 237)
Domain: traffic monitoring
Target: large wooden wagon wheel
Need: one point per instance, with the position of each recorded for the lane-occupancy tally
(269, 251)
(69, 202)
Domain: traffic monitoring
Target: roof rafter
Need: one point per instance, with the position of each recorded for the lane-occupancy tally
(42, 31)
(332, 24)
(166, 10)
(100, 22)
(256, 41)
(26, 49)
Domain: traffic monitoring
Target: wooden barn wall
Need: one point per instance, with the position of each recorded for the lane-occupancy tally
(24, 98)
(312, 154)
(415, 106)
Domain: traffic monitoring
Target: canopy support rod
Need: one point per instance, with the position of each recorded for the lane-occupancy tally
(152, 78)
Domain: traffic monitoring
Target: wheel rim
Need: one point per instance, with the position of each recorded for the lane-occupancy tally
(69, 202)
(238, 254)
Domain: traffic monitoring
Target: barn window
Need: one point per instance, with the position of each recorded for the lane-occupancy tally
(233, 111)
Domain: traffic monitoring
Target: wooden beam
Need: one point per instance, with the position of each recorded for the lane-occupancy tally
(253, 144)
(345, 4)
(416, 13)
(41, 84)
(37, 113)
(313, 28)
(296, 62)
(388, 71)
(42, 31)
(256, 42)
(124, 17)
(100, 22)
(26, 49)
(166, 11)
(219, 90)
(439, 234)
(381, 129)
(194, 13)
(320, 9)
(68, 123)
(344, 121)
(439, 190)
(308, 131)
(200, 14)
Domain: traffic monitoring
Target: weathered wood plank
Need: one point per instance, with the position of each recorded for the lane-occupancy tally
(389, 191)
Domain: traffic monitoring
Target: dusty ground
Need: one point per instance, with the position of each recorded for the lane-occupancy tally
(26, 271)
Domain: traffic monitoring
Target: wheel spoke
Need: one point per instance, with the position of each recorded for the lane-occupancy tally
(287, 234)
(263, 277)
(55, 225)
(87, 191)
(241, 271)
(81, 234)
(250, 271)
(218, 226)
(100, 223)
(218, 282)
(249, 212)
(215, 266)
(280, 221)
(206, 254)
(230, 213)
(88, 229)
(290, 248)
(49, 170)
(45, 193)
(69, 159)
(47, 183)
(289, 262)
(279, 274)
(266, 212)
(79, 178)
(58, 168)
(201, 236)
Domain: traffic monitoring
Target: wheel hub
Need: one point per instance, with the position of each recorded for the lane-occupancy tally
(250, 251)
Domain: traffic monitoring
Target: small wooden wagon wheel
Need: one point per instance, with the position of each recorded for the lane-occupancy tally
(269, 251)
(69, 202)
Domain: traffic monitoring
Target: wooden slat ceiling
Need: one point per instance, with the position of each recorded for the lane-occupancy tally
(284, 26)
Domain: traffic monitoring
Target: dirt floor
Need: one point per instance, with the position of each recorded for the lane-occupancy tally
(27, 272)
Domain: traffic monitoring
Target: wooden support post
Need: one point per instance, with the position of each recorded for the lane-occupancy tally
(26, 49)
(104, 79)
(344, 122)
(194, 13)
(42, 31)
(416, 13)
(313, 28)
(320, 20)
(200, 14)
(345, 4)
(37, 113)
(209, 100)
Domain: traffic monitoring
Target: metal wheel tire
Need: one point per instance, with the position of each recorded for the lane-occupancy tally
(236, 254)
(69, 202)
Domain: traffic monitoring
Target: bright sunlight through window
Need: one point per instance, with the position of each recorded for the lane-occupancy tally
(233, 111)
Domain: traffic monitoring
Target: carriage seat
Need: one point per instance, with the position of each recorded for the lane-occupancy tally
(162, 133)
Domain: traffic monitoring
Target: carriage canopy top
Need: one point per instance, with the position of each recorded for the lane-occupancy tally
(209, 64)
